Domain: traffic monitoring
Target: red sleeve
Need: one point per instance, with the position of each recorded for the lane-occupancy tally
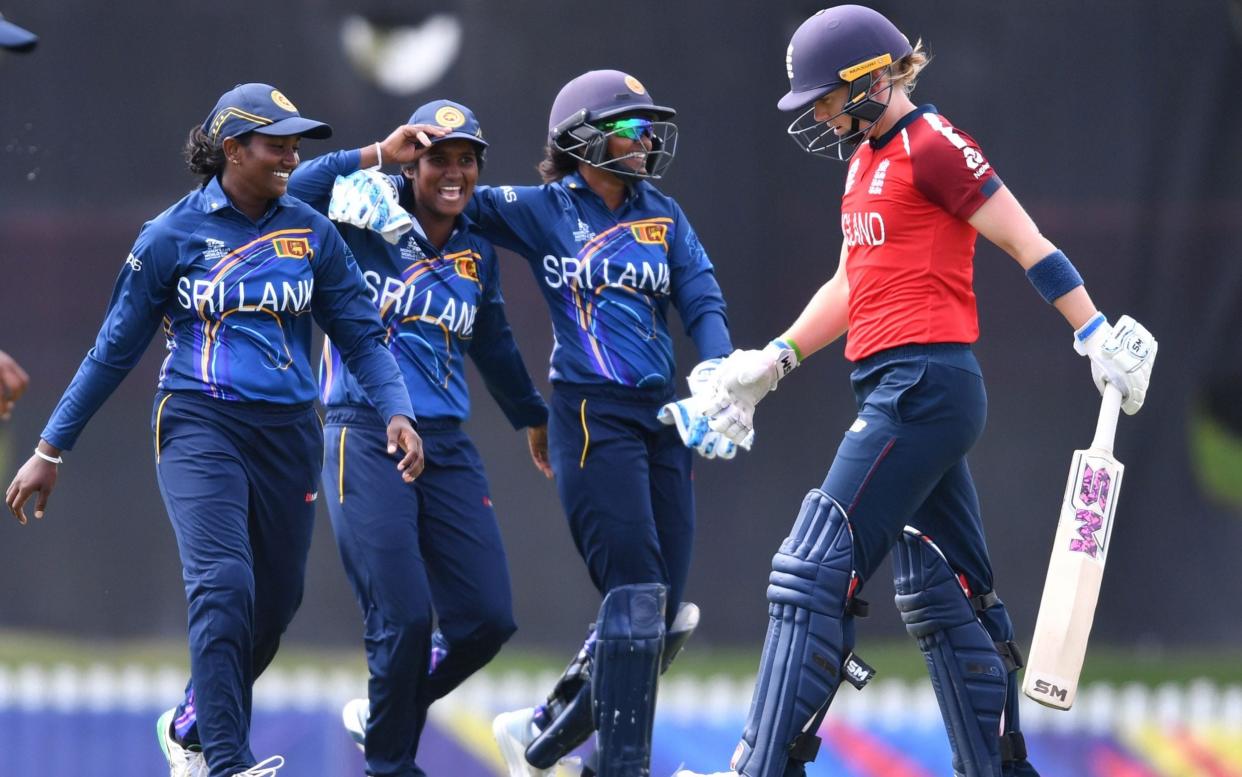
(949, 168)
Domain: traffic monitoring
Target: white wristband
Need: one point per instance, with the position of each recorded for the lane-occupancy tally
(49, 459)
(379, 155)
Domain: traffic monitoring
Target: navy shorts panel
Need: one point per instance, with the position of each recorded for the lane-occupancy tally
(625, 483)
(902, 461)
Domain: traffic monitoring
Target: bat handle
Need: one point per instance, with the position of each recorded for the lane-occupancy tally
(1106, 426)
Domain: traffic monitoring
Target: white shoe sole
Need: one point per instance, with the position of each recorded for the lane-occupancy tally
(509, 728)
(354, 717)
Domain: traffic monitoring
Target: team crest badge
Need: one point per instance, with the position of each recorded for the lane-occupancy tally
(291, 247)
(649, 233)
(635, 85)
(283, 101)
(450, 117)
(467, 267)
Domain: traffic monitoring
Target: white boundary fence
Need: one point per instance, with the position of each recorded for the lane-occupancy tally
(1101, 707)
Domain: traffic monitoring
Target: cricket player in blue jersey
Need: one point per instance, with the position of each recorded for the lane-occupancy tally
(610, 252)
(231, 272)
(436, 547)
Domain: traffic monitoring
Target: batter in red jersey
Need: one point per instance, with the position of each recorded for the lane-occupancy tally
(904, 219)
(917, 192)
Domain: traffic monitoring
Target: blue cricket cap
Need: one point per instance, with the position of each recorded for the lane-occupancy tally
(259, 108)
(452, 116)
(15, 38)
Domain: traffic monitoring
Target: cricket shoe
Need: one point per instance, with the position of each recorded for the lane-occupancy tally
(265, 768)
(182, 761)
(514, 731)
(355, 715)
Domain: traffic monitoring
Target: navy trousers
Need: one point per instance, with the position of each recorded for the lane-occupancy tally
(625, 483)
(414, 552)
(239, 481)
(903, 461)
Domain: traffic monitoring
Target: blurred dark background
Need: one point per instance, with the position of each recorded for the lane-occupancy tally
(1115, 123)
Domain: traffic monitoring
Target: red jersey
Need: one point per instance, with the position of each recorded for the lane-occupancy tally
(910, 257)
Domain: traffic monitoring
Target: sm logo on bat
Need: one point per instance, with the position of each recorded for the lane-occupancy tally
(1048, 689)
(1090, 497)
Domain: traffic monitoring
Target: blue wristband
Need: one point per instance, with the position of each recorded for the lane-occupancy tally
(1054, 276)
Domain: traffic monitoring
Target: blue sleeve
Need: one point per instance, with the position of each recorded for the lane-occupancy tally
(312, 181)
(344, 311)
(696, 293)
(496, 355)
(507, 215)
(142, 289)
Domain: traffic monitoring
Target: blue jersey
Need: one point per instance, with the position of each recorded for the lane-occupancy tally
(438, 306)
(232, 296)
(608, 277)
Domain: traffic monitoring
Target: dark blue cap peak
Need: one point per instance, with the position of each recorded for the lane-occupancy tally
(15, 38)
(259, 108)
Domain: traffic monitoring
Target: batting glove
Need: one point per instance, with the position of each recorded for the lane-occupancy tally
(692, 427)
(1121, 355)
(748, 376)
(736, 422)
(368, 199)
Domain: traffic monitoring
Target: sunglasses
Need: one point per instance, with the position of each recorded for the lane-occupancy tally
(633, 128)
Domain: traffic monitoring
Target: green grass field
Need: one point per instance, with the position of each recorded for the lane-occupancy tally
(899, 660)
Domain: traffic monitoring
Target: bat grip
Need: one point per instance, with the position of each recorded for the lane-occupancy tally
(1106, 426)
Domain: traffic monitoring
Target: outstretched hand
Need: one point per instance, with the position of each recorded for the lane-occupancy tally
(401, 436)
(37, 476)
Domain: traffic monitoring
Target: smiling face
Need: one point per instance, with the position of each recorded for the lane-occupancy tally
(629, 141)
(444, 179)
(258, 166)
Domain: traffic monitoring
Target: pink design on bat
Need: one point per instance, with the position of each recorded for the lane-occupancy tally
(1094, 486)
(1091, 523)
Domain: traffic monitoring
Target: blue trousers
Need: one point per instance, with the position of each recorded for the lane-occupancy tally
(239, 481)
(414, 552)
(920, 410)
(625, 483)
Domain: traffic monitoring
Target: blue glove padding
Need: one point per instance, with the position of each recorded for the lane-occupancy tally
(367, 199)
(693, 428)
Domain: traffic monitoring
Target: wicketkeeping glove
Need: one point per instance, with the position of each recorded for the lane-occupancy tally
(693, 428)
(1121, 355)
(368, 199)
(702, 378)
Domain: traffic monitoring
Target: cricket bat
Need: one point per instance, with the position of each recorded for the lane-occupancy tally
(1076, 568)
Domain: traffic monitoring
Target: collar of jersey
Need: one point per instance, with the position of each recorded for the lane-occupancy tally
(577, 183)
(901, 124)
(211, 198)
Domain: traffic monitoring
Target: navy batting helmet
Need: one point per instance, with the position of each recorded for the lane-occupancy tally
(846, 45)
(602, 103)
